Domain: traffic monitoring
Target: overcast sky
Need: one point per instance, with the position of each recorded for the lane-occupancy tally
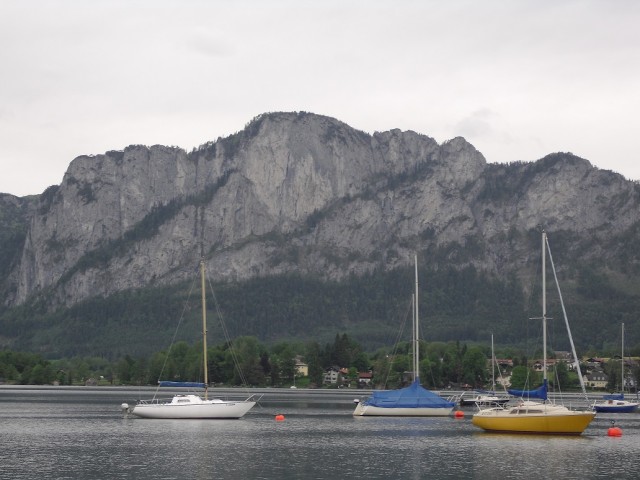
(517, 79)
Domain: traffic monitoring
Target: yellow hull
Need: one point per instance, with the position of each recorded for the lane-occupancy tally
(568, 423)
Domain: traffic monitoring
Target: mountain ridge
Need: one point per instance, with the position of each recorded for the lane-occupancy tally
(299, 193)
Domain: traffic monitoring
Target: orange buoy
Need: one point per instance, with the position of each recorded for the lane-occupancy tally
(459, 414)
(279, 418)
(614, 432)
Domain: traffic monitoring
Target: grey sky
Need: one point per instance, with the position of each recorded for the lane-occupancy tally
(518, 79)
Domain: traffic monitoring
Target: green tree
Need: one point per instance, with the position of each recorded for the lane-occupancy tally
(313, 358)
(474, 367)
(612, 369)
(560, 379)
(123, 369)
(524, 378)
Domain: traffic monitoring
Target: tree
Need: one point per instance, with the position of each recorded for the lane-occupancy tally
(524, 378)
(561, 378)
(313, 358)
(123, 369)
(612, 369)
(474, 366)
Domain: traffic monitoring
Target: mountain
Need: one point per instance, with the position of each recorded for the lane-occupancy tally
(299, 195)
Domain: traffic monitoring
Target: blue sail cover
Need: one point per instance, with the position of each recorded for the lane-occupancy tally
(166, 383)
(413, 396)
(614, 396)
(539, 393)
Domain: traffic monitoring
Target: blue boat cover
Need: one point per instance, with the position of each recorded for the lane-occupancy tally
(614, 396)
(413, 396)
(166, 383)
(539, 393)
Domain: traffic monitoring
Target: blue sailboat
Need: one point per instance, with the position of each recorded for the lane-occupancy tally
(616, 403)
(411, 401)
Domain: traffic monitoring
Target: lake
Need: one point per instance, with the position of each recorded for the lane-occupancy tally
(81, 433)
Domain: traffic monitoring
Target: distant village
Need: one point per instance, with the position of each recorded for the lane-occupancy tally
(592, 369)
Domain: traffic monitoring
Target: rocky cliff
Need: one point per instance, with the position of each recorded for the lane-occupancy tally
(305, 193)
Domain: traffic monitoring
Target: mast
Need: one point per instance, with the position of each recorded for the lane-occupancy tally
(622, 362)
(416, 347)
(204, 328)
(544, 309)
(493, 367)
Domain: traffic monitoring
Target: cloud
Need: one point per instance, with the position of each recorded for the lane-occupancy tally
(517, 79)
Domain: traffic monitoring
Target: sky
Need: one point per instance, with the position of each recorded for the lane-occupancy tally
(518, 79)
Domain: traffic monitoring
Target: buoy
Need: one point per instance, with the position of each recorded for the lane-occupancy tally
(614, 432)
(279, 418)
(124, 407)
(459, 414)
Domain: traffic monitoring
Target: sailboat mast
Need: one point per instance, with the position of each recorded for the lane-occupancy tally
(204, 327)
(544, 307)
(493, 367)
(622, 362)
(416, 347)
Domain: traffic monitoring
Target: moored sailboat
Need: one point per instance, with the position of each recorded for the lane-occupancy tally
(616, 403)
(531, 416)
(483, 398)
(194, 406)
(411, 401)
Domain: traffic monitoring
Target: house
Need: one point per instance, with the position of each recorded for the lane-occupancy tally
(331, 375)
(504, 362)
(302, 368)
(596, 379)
(365, 378)
(551, 363)
(564, 356)
(593, 362)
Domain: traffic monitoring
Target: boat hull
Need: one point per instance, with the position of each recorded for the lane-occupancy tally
(616, 407)
(372, 411)
(567, 423)
(204, 410)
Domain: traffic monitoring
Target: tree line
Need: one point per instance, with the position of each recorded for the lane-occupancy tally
(249, 362)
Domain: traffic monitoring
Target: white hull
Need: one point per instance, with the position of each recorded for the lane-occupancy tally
(371, 411)
(192, 406)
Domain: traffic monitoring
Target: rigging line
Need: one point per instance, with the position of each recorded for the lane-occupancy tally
(175, 334)
(422, 337)
(566, 321)
(397, 341)
(225, 332)
(494, 363)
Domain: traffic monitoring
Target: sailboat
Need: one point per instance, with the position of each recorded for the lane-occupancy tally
(483, 397)
(616, 403)
(411, 401)
(194, 406)
(541, 416)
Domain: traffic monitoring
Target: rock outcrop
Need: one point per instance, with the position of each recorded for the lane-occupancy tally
(306, 193)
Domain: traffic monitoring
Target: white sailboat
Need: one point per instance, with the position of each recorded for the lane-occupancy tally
(541, 415)
(482, 398)
(194, 406)
(616, 403)
(411, 401)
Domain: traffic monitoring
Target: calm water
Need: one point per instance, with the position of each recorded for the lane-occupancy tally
(81, 434)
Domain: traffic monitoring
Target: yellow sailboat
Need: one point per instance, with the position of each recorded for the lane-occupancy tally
(530, 416)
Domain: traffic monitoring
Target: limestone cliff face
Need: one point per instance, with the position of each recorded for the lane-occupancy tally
(298, 192)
